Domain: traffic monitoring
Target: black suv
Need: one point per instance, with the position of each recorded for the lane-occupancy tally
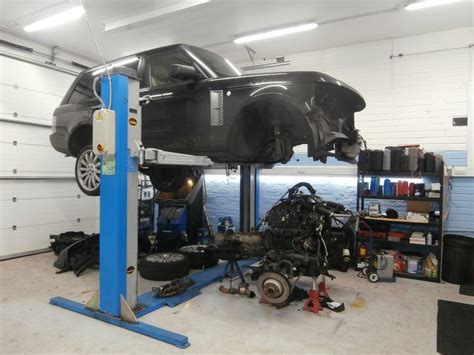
(197, 102)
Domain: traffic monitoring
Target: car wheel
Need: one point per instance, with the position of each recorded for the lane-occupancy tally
(168, 179)
(164, 266)
(200, 256)
(88, 171)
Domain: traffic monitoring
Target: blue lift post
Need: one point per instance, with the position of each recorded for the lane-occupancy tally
(117, 301)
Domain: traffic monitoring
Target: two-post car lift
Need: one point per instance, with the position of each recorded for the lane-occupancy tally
(117, 138)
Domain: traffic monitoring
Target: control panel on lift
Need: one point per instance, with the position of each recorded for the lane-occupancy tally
(103, 132)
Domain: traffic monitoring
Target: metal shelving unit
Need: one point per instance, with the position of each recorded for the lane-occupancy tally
(401, 246)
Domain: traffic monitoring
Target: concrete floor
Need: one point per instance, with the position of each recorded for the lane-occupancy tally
(379, 318)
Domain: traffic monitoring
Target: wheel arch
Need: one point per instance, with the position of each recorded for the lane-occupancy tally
(259, 115)
(80, 137)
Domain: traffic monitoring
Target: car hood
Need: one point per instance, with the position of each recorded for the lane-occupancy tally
(288, 78)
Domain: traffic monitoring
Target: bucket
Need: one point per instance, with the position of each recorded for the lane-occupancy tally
(458, 259)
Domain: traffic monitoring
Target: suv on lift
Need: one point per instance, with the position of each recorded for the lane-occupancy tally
(197, 102)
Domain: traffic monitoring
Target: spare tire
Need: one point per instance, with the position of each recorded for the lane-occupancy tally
(200, 256)
(164, 266)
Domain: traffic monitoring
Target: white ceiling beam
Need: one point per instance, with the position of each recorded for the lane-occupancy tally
(178, 6)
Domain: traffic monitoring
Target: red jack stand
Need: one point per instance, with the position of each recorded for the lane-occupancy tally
(313, 304)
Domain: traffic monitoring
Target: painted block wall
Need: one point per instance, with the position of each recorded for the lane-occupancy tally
(223, 197)
(410, 99)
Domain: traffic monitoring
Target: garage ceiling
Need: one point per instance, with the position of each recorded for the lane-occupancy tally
(213, 24)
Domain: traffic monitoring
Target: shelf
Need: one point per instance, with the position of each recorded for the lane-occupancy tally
(398, 220)
(410, 174)
(434, 248)
(415, 277)
(403, 198)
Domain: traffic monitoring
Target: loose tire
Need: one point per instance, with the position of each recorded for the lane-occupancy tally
(164, 266)
(200, 256)
(87, 171)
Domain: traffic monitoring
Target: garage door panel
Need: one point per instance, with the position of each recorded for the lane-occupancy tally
(47, 211)
(40, 189)
(34, 161)
(10, 132)
(38, 194)
(32, 154)
(28, 104)
(31, 210)
(35, 238)
(34, 77)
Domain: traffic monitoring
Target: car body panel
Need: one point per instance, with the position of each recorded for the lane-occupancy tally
(255, 118)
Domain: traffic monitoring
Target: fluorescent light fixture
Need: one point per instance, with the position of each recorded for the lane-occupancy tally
(55, 20)
(116, 64)
(175, 6)
(418, 5)
(276, 33)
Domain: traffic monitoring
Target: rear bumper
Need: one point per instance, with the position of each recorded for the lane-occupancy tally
(60, 143)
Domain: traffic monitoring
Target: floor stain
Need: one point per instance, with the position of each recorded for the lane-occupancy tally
(358, 302)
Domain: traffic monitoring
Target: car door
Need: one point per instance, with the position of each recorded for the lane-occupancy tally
(173, 111)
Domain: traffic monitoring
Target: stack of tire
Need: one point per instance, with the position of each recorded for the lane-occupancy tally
(171, 266)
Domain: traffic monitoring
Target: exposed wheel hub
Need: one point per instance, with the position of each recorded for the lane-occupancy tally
(274, 288)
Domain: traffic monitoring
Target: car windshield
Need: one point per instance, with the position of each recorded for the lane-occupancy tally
(216, 65)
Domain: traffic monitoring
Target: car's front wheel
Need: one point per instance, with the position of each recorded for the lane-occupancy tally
(88, 171)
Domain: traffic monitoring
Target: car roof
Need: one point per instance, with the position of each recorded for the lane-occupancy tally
(158, 49)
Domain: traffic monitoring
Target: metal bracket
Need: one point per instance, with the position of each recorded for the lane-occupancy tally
(126, 312)
(93, 303)
(154, 156)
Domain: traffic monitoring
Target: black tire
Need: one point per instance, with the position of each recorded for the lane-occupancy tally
(200, 256)
(164, 266)
(88, 167)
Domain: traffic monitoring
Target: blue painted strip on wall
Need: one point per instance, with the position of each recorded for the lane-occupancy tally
(224, 193)
(451, 157)
(302, 159)
(455, 157)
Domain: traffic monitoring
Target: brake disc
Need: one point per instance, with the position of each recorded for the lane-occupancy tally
(274, 288)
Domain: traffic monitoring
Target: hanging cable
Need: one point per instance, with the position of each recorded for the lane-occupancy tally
(103, 62)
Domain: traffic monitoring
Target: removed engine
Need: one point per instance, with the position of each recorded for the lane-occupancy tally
(304, 236)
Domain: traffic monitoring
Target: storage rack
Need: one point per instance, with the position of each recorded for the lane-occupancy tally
(401, 246)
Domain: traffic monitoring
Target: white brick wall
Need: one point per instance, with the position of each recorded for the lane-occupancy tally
(411, 99)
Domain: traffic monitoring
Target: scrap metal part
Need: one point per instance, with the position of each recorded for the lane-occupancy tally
(76, 251)
(175, 287)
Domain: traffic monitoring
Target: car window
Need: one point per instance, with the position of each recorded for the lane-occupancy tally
(158, 66)
(215, 64)
(83, 89)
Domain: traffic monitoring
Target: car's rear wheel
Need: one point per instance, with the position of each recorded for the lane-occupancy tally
(88, 171)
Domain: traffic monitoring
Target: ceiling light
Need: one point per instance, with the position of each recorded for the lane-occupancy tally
(276, 33)
(417, 5)
(175, 6)
(116, 64)
(56, 20)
